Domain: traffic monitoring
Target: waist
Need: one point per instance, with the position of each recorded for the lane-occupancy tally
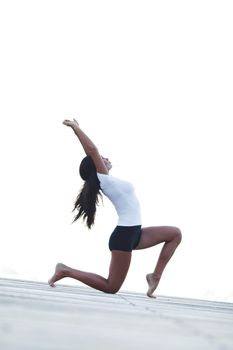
(129, 219)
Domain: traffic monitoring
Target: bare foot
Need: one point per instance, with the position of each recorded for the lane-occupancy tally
(152, 283)
(58, 274)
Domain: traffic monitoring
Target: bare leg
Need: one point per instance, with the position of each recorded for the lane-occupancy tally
(118, 269)
(152, 236)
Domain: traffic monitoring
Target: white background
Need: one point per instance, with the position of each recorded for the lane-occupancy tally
(151, 83)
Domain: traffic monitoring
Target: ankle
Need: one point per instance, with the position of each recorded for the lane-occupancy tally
(66, 271)
(155, 276)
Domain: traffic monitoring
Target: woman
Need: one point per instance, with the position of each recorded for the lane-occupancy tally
(127, 236)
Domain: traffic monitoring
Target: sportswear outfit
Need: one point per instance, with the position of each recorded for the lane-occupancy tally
(127, 233)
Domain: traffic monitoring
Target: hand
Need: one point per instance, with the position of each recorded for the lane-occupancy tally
(72, 123)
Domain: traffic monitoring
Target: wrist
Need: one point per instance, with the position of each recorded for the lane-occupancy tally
(75, 128)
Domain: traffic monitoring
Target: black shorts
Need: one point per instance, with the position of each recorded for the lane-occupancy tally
(125, 238)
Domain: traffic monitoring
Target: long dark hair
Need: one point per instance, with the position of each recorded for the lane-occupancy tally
(88, 197)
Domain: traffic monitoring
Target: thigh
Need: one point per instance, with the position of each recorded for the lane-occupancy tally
(118, 269)
(153, 235)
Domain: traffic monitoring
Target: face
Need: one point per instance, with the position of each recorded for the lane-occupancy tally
(107, 163)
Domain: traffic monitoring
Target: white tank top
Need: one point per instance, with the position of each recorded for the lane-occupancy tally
(121, 194)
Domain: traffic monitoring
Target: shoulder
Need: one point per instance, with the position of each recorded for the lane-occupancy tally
(103, 177)
(106, 180)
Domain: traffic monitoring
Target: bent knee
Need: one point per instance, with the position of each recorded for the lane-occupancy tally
(112, 289)
(177, 235)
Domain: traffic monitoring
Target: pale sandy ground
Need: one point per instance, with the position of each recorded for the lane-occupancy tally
(34, 316)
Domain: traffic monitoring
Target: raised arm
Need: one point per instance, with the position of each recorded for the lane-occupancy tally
(89, 147)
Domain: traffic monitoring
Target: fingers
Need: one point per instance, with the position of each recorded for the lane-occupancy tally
(66, 122)
(70, 122)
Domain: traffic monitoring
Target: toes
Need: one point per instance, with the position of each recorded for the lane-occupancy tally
(151, 296)
(51, 284)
